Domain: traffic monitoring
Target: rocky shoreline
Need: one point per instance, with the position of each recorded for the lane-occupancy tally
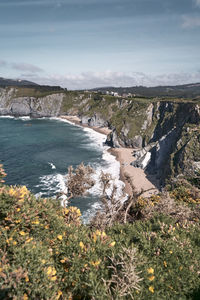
(124, 156)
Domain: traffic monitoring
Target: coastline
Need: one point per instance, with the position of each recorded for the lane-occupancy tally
(124, 157)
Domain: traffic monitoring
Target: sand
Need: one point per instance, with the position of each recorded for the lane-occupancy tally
(138, 177)
(124, 156)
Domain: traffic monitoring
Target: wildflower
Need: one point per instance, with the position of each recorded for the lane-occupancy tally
(59, 294)
(25, 297)
(98, 232)
(36, 222)
(18, 209)
(151, 278)
(53, 278)
(22, 233)
(29, 240)
(170, 252)
(14, 243)
(12, 192)
(112, 244)
(60, 237)
(81, 245)
(26, 279)
(103, 234)
(63, 260)
(94, 237)
(51, 271)
(150, 271)
(43, 261)
(165, 264)
(95, 263)
(151, 289)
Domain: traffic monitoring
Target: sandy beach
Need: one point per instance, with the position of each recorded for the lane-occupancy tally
(138, 177)
(124, 156)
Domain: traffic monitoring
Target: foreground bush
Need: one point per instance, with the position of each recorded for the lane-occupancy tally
(47, 253)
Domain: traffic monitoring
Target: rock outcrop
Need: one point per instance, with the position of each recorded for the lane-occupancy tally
(48, 106)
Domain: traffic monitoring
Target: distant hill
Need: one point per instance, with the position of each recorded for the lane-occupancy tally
(186, 91)
(28, 84)
(11, 82)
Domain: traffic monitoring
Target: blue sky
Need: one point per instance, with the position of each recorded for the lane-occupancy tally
(91, 43)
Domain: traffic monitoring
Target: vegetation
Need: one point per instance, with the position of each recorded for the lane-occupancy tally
(37, 91)
(149, 249)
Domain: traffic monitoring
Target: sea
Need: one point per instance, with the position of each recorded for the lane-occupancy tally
(38, 152)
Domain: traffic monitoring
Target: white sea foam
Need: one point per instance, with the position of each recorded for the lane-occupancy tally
(57, 183)
(7, 117)
(24, 118)
(52, 165)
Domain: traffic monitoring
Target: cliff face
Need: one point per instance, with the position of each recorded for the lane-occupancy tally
(36, 107)
(164, 134)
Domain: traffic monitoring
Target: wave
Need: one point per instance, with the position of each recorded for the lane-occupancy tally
(7, 117)
(52, 165)
(58, 183)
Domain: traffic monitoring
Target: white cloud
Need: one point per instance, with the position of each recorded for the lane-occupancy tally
(191, 21)
(89, 80)
(26, 67)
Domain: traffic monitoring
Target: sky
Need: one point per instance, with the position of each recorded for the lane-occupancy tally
(81, 44)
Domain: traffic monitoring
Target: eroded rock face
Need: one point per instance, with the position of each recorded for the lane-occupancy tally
(96, 120)
(174, 147)
(48, 106)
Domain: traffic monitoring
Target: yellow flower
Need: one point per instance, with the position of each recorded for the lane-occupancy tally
(81, 245)
(63, 260)
(14, 243)
(12, 192)
(29, 240)
(95, 263)
(27, 279)
(36, 222)
(43, 261)
(49, 270)
(112, 244)
(59, 294)
(151, 278)
(98, 232)
(60, 237)
(94, 237)
(151, 289)
(165, 264)
(150, 271)
(103, 234)
(53, 278)
(170, 252)
(25, 297)
(22, 233)
(18, 209)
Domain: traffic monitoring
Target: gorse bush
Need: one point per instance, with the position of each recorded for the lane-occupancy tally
(47, 253)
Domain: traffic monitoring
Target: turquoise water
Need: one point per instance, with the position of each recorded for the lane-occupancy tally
(37, 153)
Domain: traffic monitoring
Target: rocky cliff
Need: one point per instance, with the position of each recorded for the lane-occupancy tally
(164, 133)
(36, 107)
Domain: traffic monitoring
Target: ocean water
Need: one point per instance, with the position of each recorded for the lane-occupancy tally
(37, 153)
